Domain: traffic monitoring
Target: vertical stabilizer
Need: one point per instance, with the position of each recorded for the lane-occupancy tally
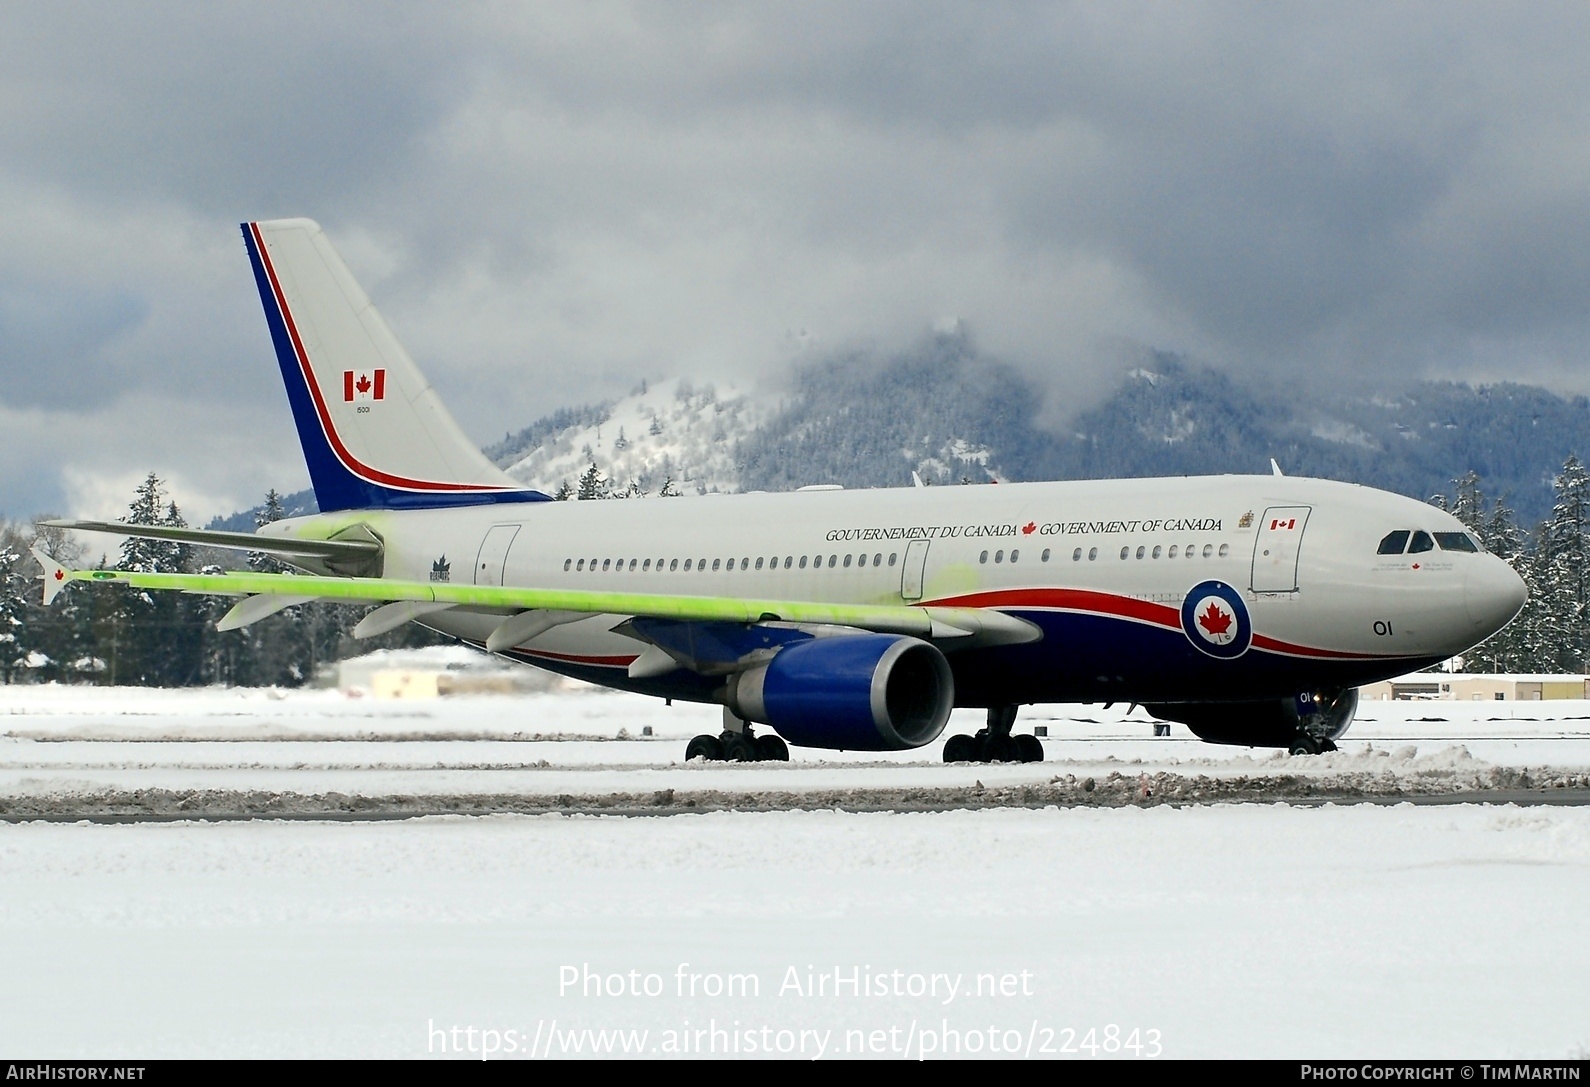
(374, 432)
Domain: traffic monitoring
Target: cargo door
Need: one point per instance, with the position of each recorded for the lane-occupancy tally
(914, 570)
(1276, 549)
(494, 554)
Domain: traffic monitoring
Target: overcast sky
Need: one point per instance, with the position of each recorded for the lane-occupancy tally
(549, 202)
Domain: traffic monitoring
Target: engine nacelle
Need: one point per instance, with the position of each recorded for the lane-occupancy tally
(1272, 723)
(863, 692)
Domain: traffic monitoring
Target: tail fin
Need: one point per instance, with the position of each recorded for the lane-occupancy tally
(374, 432)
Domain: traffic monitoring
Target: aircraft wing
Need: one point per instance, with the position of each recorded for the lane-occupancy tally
(405, 600)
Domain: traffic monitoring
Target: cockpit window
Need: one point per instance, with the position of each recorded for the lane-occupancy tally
(1394, 542)
(1455, 541)
(1421, 542)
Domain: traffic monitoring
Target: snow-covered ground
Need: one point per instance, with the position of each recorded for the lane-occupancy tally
(1267, 930)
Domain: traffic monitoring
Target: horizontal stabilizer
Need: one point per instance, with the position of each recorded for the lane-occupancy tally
(241, 541)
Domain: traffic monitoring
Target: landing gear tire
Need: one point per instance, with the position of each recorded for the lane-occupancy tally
(770, 748)
(961, 748)
(1029, 748)
(704, 747)
(738, 747)
(1305, 744)
(997, 748)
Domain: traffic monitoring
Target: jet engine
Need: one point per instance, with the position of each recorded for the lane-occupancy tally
(1319, 716)
(862, 692)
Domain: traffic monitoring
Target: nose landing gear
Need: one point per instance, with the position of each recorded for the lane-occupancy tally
(995, 742)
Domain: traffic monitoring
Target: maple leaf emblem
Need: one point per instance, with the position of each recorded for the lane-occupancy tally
(1215, 621)
(1029, 528)
(59, 576)
(364, 383)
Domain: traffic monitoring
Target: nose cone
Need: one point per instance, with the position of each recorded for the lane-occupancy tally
(1492, 593)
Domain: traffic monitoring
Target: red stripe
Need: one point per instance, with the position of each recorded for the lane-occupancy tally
(380, 384)
(347, 386)
(349, 461)
(1125, 607)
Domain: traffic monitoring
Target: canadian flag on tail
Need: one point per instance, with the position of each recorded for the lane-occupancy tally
(360, 386)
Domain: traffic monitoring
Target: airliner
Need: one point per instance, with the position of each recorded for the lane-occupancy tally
(1248, 608)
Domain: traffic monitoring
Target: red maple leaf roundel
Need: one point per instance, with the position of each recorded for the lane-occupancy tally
(1029, 528)
(1215, 621)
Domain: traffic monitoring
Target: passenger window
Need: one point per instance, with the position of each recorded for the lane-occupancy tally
(606, 564)
(1156, 551)
(847, 562)
(877, 560)
(1125, 551)
(983, 557)
(759, 562)
(1225, 549)
(1014, 555)
(1394, 542)
(1171, 553)
(831, 560)
(701, 566)
(745, 564)
(1455, 541)
(892, 556)
(1209, 549)
(1139, 550)
(1421, 542)
(1076, 556)
(1093, 553)
(803, 562)
(673, 565)
(687, 565)
(999, 556)
(632, 563)
(715, 564)
(566, 564)
(645, 566)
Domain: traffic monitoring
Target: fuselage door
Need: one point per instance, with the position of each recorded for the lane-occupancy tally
(912, 573)
(1276, 548)
(494, 554)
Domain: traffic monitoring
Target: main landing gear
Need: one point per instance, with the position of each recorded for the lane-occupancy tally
(995, 743)
(737, 744)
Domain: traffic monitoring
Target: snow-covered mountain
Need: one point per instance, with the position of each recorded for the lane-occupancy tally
(668, 431)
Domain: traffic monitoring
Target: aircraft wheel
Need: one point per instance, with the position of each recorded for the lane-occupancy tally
(960, 748)
(1029, 747)
(704, 747)
(997, 748)
(738, 747)
(770, 748)
(1304, 744)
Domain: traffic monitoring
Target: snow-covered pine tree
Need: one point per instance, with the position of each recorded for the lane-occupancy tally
(591, 485)
(270, 510)
(1561, 570)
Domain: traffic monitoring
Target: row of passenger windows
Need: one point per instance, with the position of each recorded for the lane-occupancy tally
(789, 562)
(816, 562)
(1417, 541)
(1143, 551)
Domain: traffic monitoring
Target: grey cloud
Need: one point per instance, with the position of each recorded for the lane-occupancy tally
(549, 202)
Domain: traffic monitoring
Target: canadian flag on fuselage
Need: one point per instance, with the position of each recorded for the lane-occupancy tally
(358, 386)
(1275, 522)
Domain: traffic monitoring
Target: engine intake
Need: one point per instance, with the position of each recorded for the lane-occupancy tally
(863, 692)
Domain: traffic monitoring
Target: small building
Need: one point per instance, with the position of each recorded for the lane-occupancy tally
(1478, 687)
